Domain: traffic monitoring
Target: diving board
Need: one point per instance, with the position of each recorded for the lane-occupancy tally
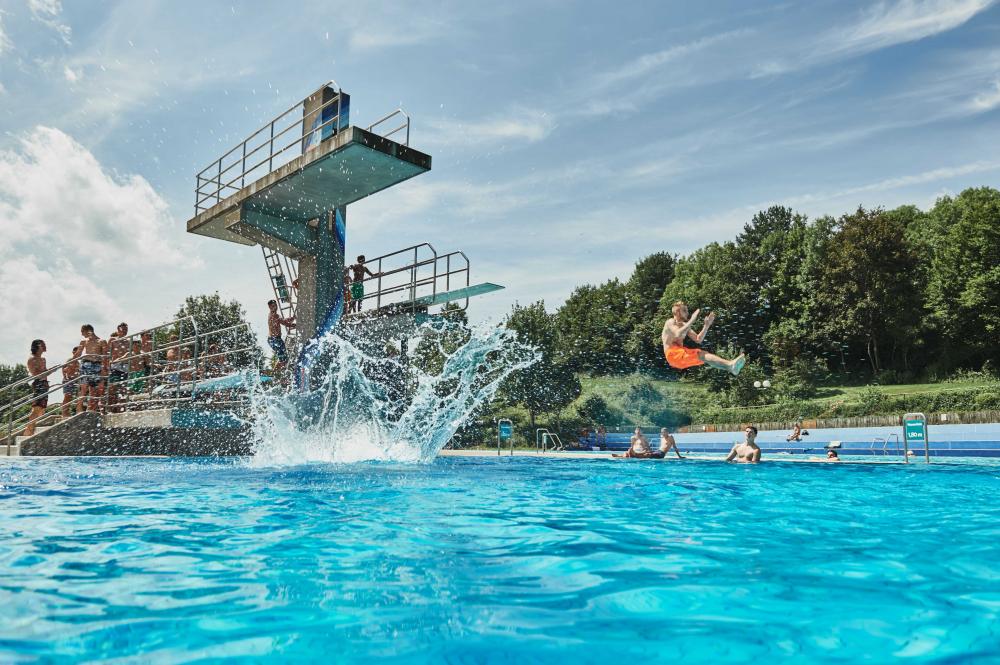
(457, 294)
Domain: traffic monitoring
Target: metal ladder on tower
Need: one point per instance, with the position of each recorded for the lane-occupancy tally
(282, 272)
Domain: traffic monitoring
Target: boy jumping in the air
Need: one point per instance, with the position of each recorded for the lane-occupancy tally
(680, 357)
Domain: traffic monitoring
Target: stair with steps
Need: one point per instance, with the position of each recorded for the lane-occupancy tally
(38, 430)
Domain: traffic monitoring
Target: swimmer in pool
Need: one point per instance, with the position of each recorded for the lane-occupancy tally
(639, 447)
(747, 451)
(678, 328)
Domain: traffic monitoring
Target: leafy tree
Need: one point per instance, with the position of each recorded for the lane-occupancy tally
(594, 410)
(867, 299)
(964, 280)
(550, 384)
(11, 374)
(592, 327)
(800, 330)
(211, 314)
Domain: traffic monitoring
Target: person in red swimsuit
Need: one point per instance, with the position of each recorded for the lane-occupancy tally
(676, 329)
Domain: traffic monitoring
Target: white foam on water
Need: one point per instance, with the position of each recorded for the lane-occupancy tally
(376, 406)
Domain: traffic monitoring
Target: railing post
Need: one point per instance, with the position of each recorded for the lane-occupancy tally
(243, 167)
(413, 282)
(10, 425)
(270, 150)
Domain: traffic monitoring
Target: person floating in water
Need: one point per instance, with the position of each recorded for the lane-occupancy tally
(746, 451)
(678, 328)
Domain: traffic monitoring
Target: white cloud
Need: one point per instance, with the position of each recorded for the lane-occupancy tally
(5, 43)
(516, 125)
(71, 75)
(52, 186)
(51, 301)
(47, 12)
(652, 63)
(898, 182)
(885, 24)
(73, 237)
(988, 100)
(891, 23)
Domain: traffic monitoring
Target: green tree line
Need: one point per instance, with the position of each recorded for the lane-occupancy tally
(888, 296)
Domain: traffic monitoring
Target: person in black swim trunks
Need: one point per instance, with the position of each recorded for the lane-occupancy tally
(274, 323)
(39, 385)
(93, 349)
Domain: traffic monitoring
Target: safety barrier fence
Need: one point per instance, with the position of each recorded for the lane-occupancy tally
(410, 279)
(157, 367)
(290, 134)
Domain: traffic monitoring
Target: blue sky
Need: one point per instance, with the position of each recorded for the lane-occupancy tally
(569, 138)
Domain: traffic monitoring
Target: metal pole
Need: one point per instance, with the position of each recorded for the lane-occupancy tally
(270, 149)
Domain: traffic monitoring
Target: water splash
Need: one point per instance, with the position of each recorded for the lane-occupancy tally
(376, 404)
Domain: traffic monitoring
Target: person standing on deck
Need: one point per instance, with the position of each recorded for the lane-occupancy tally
(747, 452)
(71, 385)
(93, 350)
(274, 323)
(118, 371)
(39, 385)
(678, 328)
(358, 272)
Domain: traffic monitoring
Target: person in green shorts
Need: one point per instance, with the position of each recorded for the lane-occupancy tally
(358, 272)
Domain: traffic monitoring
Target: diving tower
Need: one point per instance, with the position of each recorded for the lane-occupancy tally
(287, 186)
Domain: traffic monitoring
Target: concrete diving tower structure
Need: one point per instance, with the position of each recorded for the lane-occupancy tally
(287, 187)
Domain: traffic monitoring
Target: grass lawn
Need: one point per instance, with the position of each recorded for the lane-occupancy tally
(623, 393)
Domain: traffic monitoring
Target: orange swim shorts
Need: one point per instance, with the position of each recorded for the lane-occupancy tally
(680, 357)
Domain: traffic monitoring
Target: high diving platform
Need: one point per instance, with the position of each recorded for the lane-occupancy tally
(286, 187)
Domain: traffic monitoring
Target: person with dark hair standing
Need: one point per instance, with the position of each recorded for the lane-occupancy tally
(39, 385)
(93, 351)
(747, 451)
(358, 271)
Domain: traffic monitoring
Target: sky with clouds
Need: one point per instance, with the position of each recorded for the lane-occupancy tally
(569, 138)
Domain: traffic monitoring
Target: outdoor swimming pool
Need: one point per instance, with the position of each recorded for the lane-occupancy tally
(498, 560)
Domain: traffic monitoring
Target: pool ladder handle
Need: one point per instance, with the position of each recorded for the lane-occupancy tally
(542, 435)
(885, 444)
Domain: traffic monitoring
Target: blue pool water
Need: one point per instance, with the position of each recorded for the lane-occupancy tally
(498, 560)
